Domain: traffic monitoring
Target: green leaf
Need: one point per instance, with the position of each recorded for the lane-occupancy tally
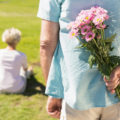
(115, 59)
(91, 60)
(110, 39)
(79, 47)
(105, 69)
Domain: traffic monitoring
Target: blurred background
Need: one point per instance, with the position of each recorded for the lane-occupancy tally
(31, 105)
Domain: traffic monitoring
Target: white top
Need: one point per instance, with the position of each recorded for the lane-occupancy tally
(11, 62)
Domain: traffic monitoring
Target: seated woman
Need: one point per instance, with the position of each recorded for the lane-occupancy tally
(13, 64)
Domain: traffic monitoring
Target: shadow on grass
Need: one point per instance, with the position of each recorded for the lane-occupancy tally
(34, 87)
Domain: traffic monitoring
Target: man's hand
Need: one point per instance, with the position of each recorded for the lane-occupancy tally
(114, 80)
(54, 107)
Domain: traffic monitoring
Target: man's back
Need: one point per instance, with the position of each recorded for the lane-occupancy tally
(84, 88)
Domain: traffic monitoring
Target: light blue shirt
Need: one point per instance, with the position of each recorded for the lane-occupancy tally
(70, 76)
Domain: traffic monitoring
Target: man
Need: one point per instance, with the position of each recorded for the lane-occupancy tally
(66, 69)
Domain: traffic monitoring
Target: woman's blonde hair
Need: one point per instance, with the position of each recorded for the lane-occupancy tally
(11, 36)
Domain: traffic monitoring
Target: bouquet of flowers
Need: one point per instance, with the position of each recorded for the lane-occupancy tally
(89, 28)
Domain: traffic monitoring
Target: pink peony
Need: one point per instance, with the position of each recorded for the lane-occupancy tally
(70, 25)
(76, 25)
(101, 26)
(90, 36)
(100, 15)
(106, 16)
(85, 16)
(98, 10)
(74, 33)
(85, 20)
(98, 20)
(80, 19)
(85, 29)
(93, 10)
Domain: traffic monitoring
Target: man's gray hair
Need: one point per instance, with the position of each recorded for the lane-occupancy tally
(11, 36)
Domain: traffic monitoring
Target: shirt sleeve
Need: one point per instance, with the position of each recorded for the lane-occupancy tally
(49, 10)
(24, 61)
(54, 86)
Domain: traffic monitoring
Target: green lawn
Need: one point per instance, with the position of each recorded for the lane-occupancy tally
(21, 14)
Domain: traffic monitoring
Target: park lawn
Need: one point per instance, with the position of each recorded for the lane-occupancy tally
(21, 14)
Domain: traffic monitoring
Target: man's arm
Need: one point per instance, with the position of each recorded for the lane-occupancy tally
(48, 43)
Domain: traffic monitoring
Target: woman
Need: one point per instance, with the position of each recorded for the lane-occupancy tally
(13, 64)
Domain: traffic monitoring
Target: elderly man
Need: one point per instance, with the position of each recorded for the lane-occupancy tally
(66, 70)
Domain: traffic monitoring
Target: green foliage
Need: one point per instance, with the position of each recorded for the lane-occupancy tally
(100, 54)
(110, 39)
(91, 60)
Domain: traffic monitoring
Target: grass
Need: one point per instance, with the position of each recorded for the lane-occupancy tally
(21, 14)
